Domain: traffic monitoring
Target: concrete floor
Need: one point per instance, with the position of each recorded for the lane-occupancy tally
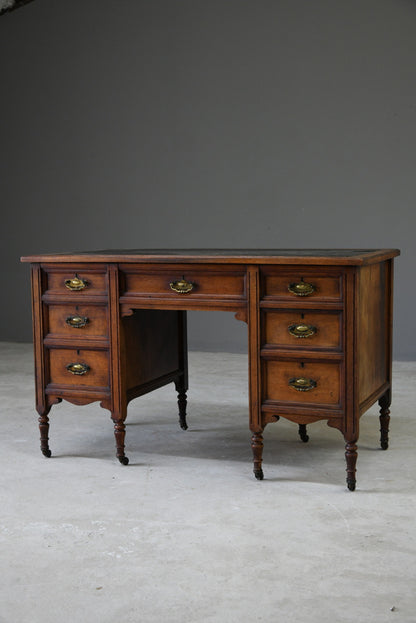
(185, 533)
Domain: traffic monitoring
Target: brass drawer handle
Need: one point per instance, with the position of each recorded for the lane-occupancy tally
(77, 322)
(77, 368)
(181, 286)
(76, 283)
(302, 385)
(302, 330)
(302, 288)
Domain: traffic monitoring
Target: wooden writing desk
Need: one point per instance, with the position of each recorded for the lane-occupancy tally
(111, 325)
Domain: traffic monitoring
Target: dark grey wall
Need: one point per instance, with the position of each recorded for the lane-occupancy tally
(207, 123)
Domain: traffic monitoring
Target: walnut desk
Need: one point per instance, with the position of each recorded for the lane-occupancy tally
(111, 325)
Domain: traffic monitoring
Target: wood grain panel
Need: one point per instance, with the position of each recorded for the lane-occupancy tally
(372, 330)
(151, 345)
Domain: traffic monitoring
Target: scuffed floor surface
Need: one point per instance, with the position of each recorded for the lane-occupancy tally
(185, 534)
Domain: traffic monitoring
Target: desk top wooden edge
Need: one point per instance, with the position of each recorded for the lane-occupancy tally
(355, 257)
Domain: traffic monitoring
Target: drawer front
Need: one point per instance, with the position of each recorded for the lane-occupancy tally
(75, 280)
(300, 286)
(89, 368)
(185, 282)
(77, 321)
(313, 383)
(302, 330)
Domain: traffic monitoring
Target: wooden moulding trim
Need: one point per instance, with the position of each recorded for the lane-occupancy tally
(333, 420)
(65, 391)
(54, 267)
(225, 303)
(352, 349)
(279, 303)
(38, 332)
(315, 410)
(75, 299)
(255, 385)
(218, 256)
(80, 344)
(118, 398)
(59, 299)
(318, 355)
(207, 271)
(389, 293)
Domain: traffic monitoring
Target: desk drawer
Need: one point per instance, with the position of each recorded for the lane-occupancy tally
(77, 321)
(302, 330)
(300, 285)
(183, 282)
(309, 384)
(78, 367)
(76, 280)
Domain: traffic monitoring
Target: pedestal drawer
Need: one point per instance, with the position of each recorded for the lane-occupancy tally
(76, 280)
(302, 330)
(303, 382)
(301, 285)
(77, 321)
(78, 367)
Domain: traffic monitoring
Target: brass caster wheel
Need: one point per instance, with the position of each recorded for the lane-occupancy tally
(47, 453)
(123, 460)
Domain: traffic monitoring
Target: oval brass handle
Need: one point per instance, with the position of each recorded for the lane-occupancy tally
(77, 368)
(302, 288)
(301, 384)
(181, 286)
(302, 330)
(76, 283)
(77, 321)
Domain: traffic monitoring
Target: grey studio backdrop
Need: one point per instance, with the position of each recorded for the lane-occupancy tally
(207, 123)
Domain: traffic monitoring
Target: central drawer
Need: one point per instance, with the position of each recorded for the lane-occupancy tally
(181, 282)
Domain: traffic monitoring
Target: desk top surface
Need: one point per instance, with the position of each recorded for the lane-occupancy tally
(222, 256)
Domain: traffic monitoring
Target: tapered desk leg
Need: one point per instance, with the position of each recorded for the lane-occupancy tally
(119, 434)
(384, 403)
(181, 383)
(302, 433)
(182, 402)
(257, 447)
(351, 459)
(44, 433)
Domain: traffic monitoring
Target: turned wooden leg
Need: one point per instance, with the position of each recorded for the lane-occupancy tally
(182, 403)
(119, 434)
(384, 417)
(44, 430)
(351, 458)
(302, 433)
(257, 446)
